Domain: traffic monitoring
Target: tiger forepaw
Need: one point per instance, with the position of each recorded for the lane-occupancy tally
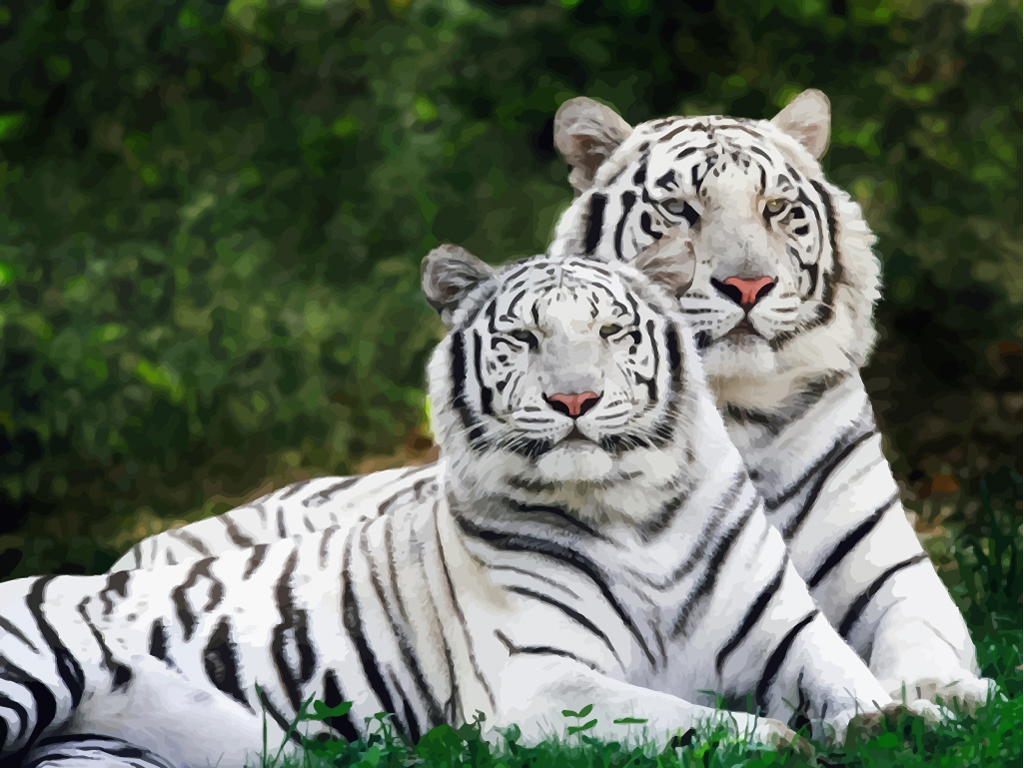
(866, 725)
(961, 696)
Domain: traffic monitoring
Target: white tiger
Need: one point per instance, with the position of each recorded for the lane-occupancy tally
(589, 536)
(784, 282)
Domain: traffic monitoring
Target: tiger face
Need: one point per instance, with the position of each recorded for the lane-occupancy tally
(783, 276)
(557, 372)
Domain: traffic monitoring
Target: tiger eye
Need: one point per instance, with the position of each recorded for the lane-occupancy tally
(774, 206)
(610, 330)
(524, 336)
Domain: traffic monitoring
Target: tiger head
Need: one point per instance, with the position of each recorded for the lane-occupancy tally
(562, 376)
(784, 276)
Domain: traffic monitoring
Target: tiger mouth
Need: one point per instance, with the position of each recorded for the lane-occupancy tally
(575, 436)
(744, 329)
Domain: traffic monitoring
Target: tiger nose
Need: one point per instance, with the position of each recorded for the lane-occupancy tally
(745, 291)
(573, 404)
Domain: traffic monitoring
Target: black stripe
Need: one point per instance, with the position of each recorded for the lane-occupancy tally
(714, 567)
(486, 396)
(595, 222)
(541, 650)
(238, 538)
(667, 179)
(192, 541)
(92, 749)
(220, 661)
(458, 610)
(402, 635)
(255, 561)
(628, 200)
(281, 529)
(651, 528)
(328, 493)
(833, 276)
(523, 543)
(753, 614)
(120, 674)
(778, 656)
(45, 703)
(851, 540)
(839, 448)
(293, 626)
(573, 614)
(561, 514)
(645, 226)
(325, 539)
(277, 715)
(7, 626)
(826, 466)
(459, 401)
(158, 642)
(412, 722)
(721, 510)
(22, 714)
(353, 622)
(850, 619)
(67, 665)
(291, 490)
(418, 552)
(117, 582)
(333, 697)
(186, 616)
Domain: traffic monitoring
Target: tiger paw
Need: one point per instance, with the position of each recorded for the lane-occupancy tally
(863, 726)
(961, 696)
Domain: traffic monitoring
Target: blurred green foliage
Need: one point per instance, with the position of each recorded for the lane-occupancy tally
(212, 217)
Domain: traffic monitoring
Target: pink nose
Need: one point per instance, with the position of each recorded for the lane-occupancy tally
(745, 291)
(574, 404)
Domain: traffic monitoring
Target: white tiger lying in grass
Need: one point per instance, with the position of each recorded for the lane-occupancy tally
(784, 282)
(589, 537)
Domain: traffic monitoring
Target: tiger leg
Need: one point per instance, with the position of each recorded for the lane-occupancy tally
(90, 752)
(533, 690)
(916, 641)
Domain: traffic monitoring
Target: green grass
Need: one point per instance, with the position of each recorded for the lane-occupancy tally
(988, 575)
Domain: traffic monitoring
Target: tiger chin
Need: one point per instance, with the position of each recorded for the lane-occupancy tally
(783, 281)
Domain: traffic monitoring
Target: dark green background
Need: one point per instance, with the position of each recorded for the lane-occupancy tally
(212, 217)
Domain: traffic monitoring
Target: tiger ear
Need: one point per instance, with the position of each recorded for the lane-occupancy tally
(669, 262)
(808, 119)
(586, 133)
(448, 274)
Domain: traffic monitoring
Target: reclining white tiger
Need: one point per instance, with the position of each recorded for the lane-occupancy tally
(784, 284)
(781, 301)
(593, 539)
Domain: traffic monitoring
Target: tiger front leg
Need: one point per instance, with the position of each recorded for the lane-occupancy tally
(533, 690)
(839, 693)
(920, 648)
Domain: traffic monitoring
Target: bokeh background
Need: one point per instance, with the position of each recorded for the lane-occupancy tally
(212, 218)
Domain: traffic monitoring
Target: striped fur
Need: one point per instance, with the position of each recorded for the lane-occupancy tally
(620, 559)
(733, 197)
